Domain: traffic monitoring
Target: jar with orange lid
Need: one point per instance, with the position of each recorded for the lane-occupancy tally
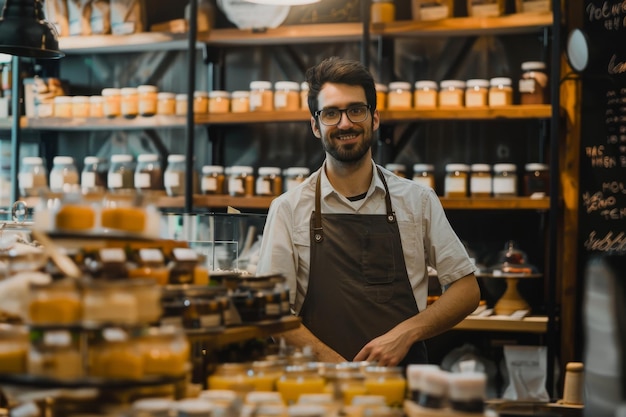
(533, 84)
(219, 101)
(130, 102)
(181, 104)
(261, 96)
(386, 381)
(399, 96)
(456, 181)
(112, 102)
(381, 96)
(62, 106)
(480, 180)
(500, 92)
(212, 180)
(297, 380)
(166, 103)
(452, 94)
(286, 95)
(304, 95)
(240, 101)
(80, 106)
(200, 102)
(269, 181)
(96, 106)
(241, 181)
(383, 11)
(424, 174)
(426, 94)
(485, 8)
(147, 96)
(477, 93)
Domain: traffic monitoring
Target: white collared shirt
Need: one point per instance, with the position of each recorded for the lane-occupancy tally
(426, 235)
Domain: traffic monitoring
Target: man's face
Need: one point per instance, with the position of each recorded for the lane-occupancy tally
(346, 141)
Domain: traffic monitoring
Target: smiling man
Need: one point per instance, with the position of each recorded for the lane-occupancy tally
(354, 241)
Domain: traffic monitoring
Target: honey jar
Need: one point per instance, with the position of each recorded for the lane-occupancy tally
(96, 106)
(500, 92)
(112, 102)
(269, 181)
(295, 176)
(381, 96)
(533, 84)
(452, 94)
(80, 106)
(536, 180)
(181, 104)
(504, 180)
(166, 103)
(477, 93)
(399, 96)
(426, 94)
(33, 176)
(298, 380)
(130, 102)
(480, 180)
(219, 101)
(62, 106)
(386, 381)
(456, 181)
(485, 8)
(212, 181)
(261, 96)
(286, 95)
(241, 181)
(147, 96)
(200, 102)
(240, 101)
(424, 174)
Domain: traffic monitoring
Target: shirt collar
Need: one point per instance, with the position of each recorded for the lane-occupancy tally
(327, 189)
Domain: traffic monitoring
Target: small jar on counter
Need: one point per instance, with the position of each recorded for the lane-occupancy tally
(112, 102)
(399, 96)
(295, 176)
(398, 169)
(212, 181)
(219, 101)
(130, 102)
(434, 389)
(381, 96)
(147, 96)
(148, 173)
(174, 176)
(536, 180)
(466, 392)
(477, 93)
(433, 10)
(297, 380)
(181, 104)
(80, 106)
(269, 181)
(121, 173)
(304, 95)
(286, 95)
(533, 84)
(452, 94)
(62, 106)
(500, 92)
(63, 175)
(166, 104)
(240, 101)
(480, 180)
(261, 96)
(424, 174)
(200, 102)
(96, 106)
(241, 181)
(93, 177)
(426, 94)
(33, 176)
(387, 381)
(504, 180)
(456, 181)
(383, 11)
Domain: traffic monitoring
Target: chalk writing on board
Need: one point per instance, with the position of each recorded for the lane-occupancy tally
(610, 242)
(611, 15)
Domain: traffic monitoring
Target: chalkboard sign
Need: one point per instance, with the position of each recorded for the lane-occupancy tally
(602, 215)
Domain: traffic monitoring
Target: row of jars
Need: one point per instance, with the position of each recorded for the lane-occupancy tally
(122, 173)
(483, 180)
(474, 93)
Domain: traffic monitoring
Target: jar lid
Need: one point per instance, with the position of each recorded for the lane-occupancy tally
(151, 405)
(536, 166)
(91, 160)
(260, 85)
(63, 160)
(435, 382)
(297, 171)
(241, 169)
(212, 169)
(181, 97)
(396, 167)
(286, 85)
(165, 95)
(457, 167)
(426, 85)
(307, 410)
(121, 158)
(399, 85)
(176, 158)
(269, 171)
(477, 82)
(111, 91)
(450, 84)
(147, 157)
(423, 167)
(304, 86)
(381, 87)
(147, 89)
(62, 99)
(504, 167)
(465, 386)
(32, 160)
(480, 168)
(194, 406)
(500, 81)
(80, 99)
(96, 99)
(200, 94)
(533, 65)
(219, 94)
(128, 91)
(240, 94)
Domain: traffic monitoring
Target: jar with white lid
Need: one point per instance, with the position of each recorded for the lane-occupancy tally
(148, 173)
(452, 94)
(426, 94)
(174, 176)
(467, 392)
(147, 100)
(500, 92)
(219, 101)
(399, 96)
(166, 103)
(532, 6)
(536, 180)
(240, 101)
(93, 177)
(33, 176)
(432, 9)
(485, 8)
(112, 102)
(269, 181)
(181, 104)
(533, 84)
(96, 106)
(62, 106)
(397, 169)
(212, 181)
(505, 180)
(63, 175)
(286, 95)
(424, 174)
(434, 388)
(130, 102)
(304, 95)
(200, 102)
(80, 106)
(456, 181)
(477, 93)
(261, 96)
(295, 176)
(153, 407)
(121, 173)
(381, 96)
(480, 180)
(241, 181)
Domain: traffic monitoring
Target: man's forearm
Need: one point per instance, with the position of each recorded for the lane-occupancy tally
(302, 336)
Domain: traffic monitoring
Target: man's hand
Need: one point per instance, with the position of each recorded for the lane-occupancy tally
(388, 349)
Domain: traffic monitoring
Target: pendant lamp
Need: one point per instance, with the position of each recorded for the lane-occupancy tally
(25, 32)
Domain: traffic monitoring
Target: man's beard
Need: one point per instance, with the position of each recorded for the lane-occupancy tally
(349, 153)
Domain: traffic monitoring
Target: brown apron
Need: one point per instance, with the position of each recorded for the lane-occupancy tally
(358, 285)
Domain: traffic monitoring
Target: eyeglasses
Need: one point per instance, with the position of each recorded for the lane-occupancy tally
(332, 117)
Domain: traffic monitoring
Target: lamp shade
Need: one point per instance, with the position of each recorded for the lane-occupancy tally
(25, 32)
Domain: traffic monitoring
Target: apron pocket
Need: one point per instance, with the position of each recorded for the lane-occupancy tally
(380, 293)
(378, 267)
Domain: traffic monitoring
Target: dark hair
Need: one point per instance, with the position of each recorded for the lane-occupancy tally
(340, 71)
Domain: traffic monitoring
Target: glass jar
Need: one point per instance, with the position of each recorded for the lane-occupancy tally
(414, 373)
(432, 10)
(386, 381)
(264, 374)
(181, 104)
(500, 92)
(121, 173)
(200, 102)
(536, 180)
(261, 96)
(398, 169)
(533, 84)
(129, 102)
(485, 8)
(112, 102)
(230, 376)
(219, 101)
(240, 101)
(148, 173)
(62, 106)
(166, 104)
(109, 301)
(295, 176)
(33, 176)
(304, 95)
(286, 96)
(381, 96)
(434, 389)
(456, 181)
(241, 181)
(96, 106)
(147, 100)
(115, 355)
(480, 180)
(383, 11)
(192, 306)
(212, 181)
(298, 380)
(426, 94)
(150, 264)
(93, 177)
(80, 106)
(424, 174)
(452, 94)
(152, 407)
(532, 6)
(165, 351)
(14, 346)
(477, 93)
(466, 392)
(174, 176)
(504, 180)
(63, 175)
(58, 302)
(399, 96)
(269, 181)
(55, 353)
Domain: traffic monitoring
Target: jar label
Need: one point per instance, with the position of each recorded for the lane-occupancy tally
(480, 185)
(112, 255)
(280, 100)
(433, 11)
(504, 185)
(399, 100)
(535, 6)
(171, 179)
(455, 185)
(115, 180)
(475, 99)
(151, 255)
(451, 98)
(498, 98)
(263, 187)
(209, 184)
(425, 181)
(236, 186)
(26, 179)
(256, 100)
(57, 338)
(56, 181)
(426, 99)
(485, 10)
(88, 179)
(142, 180)
(527, 85)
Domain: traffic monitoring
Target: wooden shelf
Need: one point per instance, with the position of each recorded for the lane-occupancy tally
(541, 111)
(217, 201)
(532, 324)
(248, 332)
